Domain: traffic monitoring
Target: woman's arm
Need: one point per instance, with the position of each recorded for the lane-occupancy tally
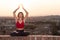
(15, 12)
(26, 13)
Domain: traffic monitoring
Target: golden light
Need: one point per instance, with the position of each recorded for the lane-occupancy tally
(26, 3)
(15, 3)
(11, 5)
(42, 7)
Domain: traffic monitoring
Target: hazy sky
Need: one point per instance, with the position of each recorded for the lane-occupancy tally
(34, 7)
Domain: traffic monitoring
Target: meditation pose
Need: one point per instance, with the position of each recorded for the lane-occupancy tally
(20, 20)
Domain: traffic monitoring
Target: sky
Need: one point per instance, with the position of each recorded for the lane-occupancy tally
(34, 7)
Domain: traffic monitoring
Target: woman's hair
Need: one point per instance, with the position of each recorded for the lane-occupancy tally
(22, 15)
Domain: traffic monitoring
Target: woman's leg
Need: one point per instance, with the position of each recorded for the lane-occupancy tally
(13, 34)
(26, 33)
(20, 33)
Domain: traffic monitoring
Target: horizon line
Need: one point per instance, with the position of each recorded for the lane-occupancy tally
(32, 16)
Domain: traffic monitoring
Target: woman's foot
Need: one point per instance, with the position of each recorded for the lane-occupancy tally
(15, 31)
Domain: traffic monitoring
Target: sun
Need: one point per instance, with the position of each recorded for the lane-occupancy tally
(13, 4)
(25, 3)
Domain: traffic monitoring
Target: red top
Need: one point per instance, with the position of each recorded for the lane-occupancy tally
(18, 25)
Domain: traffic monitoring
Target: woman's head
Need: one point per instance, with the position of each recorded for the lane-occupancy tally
(20, 15)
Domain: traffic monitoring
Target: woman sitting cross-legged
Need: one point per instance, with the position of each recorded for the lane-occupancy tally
(20, 19)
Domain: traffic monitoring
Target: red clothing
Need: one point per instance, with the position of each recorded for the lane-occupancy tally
(18, 25)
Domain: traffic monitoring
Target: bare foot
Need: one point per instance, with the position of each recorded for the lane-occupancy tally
(16, 31)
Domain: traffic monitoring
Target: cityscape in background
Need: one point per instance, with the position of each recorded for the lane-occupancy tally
(41, 25)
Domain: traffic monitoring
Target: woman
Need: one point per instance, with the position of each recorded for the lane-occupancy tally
(20, 19)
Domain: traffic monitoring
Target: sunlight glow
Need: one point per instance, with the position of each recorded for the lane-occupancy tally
(34, 7)
(26, 3)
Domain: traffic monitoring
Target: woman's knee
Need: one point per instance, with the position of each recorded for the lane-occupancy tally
(13, 34)
(26, 33)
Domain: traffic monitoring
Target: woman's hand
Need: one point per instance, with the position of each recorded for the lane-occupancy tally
(18, 6)
(22, 6)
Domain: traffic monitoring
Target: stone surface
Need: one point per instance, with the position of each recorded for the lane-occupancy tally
(30, 37)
